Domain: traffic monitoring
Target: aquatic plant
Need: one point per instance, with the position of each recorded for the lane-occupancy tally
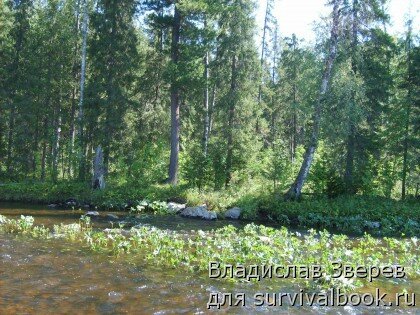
(23, 225)
(145, 206)
(251, 245)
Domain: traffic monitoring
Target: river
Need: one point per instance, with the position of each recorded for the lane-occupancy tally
(58, 277)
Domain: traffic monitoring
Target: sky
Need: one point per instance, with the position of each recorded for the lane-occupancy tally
(297, 16)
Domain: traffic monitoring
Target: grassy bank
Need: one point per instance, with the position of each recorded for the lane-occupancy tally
(347, 214)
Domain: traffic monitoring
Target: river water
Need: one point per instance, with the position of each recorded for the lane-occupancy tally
(58, 277)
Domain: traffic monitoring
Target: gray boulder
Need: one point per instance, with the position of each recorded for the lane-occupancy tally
(233, 213)
(112, 216)
(92, 213)
(199, 212)
(174, 208)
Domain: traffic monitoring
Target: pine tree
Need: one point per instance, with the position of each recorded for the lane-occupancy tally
(360, 16)
(114, 57)
(6, 22)
(15, 86)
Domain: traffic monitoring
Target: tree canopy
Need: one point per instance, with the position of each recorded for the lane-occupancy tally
(185, 92)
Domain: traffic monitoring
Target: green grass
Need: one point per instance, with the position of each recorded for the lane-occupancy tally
(346, 214)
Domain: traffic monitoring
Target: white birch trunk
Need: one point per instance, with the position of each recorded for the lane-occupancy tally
(82, 86)
(98, 180)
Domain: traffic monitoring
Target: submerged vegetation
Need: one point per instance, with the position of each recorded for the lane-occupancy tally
(252, 245)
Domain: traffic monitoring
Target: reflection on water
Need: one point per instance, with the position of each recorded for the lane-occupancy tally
(57, 277)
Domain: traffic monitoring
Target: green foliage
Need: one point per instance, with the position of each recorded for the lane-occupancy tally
(353, 215)
(279, 169)
(145, 206)
(148, 164)
(198, 169)
(24, 225)
(346, 214)
(44, 192)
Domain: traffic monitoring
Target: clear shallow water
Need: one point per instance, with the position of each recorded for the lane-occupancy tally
(49, 217)
(57, 277)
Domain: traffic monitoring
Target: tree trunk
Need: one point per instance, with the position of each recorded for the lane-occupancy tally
(107, 133)
(276, 56)
(72, 134)
(293, 142)
(72, 129)
(407, 116)
(348, 174)
(231, 117)
(161, 32)
(35, 146)
(10, 139)
(296, 188)
(405, 153)
(82, 158)
(44, 148)
(98, 180)
(267, 9)
(56, 145)
(206, 105)
(294, 136)
(211, 109)
(175, 123)
(22, 14)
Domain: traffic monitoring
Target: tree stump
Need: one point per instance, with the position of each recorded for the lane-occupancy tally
(98, 180)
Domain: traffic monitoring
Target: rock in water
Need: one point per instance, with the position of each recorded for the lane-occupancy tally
(199, 212)
(98, 180)
(71, 202)
(233, 213)
(92, 213)
(112, 216)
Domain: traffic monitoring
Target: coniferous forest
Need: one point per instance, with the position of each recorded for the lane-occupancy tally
(188, 156)
(191, 99)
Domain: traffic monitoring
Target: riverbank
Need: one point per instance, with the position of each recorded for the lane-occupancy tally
(353, 215)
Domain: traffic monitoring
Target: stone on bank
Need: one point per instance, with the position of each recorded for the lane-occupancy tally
(200, 212)
(174, 208)
(233, 213)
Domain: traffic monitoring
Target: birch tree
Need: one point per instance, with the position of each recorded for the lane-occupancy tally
(296, 188)
(175, 98)
(82, 158)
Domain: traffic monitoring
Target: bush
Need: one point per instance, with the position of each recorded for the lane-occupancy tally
(349, 214)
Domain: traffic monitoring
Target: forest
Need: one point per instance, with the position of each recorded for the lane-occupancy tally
(190, 98)
(157, 154)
